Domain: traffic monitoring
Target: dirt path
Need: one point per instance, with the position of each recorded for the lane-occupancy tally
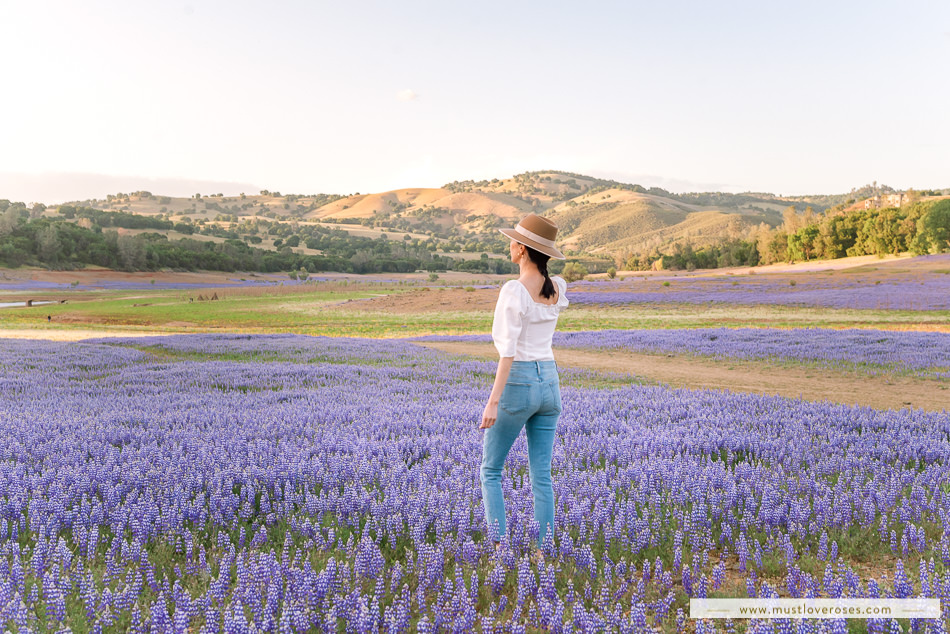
(742, 376)
(58, 334)
(427, 301)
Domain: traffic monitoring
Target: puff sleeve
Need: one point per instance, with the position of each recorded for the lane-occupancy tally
(509, 318)
(562, 300)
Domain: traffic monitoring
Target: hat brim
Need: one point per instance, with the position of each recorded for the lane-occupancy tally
(517, 237)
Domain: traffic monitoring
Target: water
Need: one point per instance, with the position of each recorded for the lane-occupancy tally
(23, 303)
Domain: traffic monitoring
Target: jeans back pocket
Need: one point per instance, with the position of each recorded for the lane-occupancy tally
(516, 398)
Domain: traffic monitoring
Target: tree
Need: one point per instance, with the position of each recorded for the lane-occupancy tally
(131, 252)
(775, 248)
(933, 230)
(574, 271)
(802, 243)
(792, 221)
(9, 220)
(48, 242)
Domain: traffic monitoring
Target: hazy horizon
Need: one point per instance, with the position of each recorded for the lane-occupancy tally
(70, 187)
(810, 98)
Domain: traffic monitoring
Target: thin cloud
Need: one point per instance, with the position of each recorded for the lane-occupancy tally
(407, 95)
(669, 184)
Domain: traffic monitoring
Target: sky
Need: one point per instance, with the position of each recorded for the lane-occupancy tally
(178, 98)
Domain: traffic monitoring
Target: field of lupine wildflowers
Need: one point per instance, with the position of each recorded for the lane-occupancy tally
(926, 290)
(214, 483)
(923, 354)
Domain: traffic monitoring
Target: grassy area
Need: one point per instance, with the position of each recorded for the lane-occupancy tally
(321, 312)
(177, 311)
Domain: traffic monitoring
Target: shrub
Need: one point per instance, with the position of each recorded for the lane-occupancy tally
(574, 271)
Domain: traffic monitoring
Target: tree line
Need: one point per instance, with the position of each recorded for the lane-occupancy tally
(64, 243)
(919, 228)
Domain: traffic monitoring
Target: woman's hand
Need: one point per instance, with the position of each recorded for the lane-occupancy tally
(489, 416)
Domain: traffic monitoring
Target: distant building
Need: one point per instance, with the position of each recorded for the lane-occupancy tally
(887, 200)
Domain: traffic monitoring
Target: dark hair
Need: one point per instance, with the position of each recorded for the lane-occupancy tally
(541, 260)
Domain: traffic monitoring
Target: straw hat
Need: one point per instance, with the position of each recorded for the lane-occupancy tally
(537, 233)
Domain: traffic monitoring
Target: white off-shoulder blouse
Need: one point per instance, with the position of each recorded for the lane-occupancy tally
(523, 328)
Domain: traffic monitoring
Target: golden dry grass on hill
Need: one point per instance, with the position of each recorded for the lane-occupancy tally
(407, 202)
(616, 220)
(620, 221)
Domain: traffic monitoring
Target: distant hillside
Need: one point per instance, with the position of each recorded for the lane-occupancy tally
(413, 205)
(621, 221)
(597, 217)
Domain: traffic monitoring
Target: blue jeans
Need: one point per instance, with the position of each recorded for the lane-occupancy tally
(531, 399)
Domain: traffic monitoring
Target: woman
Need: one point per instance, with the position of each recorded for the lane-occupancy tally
(526, 392)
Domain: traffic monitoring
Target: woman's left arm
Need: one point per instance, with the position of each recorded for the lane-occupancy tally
(505, 330)
(490, 415)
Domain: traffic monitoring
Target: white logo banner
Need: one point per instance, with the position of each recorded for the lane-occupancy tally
(918, 608)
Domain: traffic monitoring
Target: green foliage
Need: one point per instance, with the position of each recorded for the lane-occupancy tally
(920, 228)
(119, 219)
(685, 257)
(65, 245)
(803, 244)
(933, 230)
(573, 271)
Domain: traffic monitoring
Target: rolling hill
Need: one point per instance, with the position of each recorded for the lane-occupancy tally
(596, 216)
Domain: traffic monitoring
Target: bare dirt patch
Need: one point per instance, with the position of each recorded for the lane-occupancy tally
(882, 392)
(92, 276)
(60, 334)
(428, 301)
